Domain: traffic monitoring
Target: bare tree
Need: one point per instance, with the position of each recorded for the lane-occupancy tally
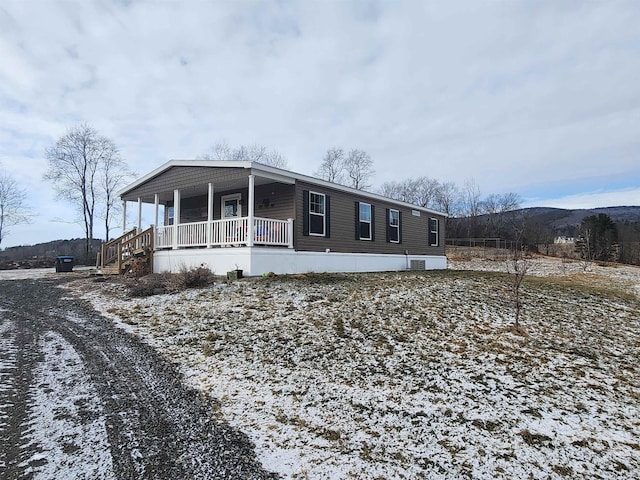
(12, 205)
(584, 247)
(114, 172)
(509, 201)
(426, 191)
(517, 267)
(471, 198)
(420, 191)
(471, 205)
(249, 153)
(359, 168)
(74, 163)
(219, 152)
(394, 189)
(332, 167)
(448, 198)
(495, 206)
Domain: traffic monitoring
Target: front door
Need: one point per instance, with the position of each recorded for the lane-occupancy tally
(231, 206)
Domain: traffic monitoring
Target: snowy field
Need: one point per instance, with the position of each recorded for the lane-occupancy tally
(42, 273)
(413, 375)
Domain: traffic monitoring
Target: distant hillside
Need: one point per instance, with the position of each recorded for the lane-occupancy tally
(543, 225)
(43, 254)
(566, 222)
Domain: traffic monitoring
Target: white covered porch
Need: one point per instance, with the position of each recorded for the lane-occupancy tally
(214, 207)
(228, 232)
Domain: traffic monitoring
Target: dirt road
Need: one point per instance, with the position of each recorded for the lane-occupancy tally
(81, 399)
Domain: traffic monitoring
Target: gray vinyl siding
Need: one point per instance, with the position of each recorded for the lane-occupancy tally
(274, 200)
(183, 178)
(280, 201)
(415, 230)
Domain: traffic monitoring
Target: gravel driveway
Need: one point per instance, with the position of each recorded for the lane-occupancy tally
(81, 399)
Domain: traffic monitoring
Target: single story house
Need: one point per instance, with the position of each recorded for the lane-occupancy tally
(231, 215)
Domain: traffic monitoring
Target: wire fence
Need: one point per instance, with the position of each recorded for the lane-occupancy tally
(490, 248)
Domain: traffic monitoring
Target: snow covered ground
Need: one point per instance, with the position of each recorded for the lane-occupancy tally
(71, 439)
(413, 374)
(42, 273)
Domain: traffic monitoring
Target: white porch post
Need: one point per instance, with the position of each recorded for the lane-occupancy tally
(176, 217)
(210, 215)
(252, 183)
(139, 214)
(156, 205)
(290, 232)
(124, 216)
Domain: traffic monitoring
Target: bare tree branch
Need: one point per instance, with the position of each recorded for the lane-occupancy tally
(359, 168)
(332, 167)
(77, 163)
(12, 205)
(248, 153)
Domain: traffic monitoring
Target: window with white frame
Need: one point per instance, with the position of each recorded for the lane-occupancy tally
(433, 232)
(364, 221)
(394, 226)
(317, 213)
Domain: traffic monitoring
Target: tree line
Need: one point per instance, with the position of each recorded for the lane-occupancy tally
(86, 169)
(601, 239)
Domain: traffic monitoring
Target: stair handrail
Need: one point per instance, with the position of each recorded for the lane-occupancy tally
(115, 250)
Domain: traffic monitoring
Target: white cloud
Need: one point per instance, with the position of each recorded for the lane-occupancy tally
(519, 96)
(587, 200)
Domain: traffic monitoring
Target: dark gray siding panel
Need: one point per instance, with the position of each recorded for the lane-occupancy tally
(274, 200)
(415, 238)
(185, 178)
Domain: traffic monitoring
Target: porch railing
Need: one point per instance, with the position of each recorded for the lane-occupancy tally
(118, 251)
(226, 232)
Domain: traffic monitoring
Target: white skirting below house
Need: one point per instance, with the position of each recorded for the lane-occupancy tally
(258, 260)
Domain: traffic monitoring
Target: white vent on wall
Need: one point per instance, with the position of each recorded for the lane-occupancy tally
(417, 265)
(415, 213)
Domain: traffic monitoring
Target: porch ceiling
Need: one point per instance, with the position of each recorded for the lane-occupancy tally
(193, 187)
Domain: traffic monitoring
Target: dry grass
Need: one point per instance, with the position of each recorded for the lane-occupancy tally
(414, 374)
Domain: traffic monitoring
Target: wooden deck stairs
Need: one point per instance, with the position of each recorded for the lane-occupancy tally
(132, 253)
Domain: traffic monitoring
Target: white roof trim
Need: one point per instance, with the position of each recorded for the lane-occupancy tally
(274, 173)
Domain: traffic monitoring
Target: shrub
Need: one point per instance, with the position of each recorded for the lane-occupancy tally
(153, 284)
(159, 283)
(197, 277)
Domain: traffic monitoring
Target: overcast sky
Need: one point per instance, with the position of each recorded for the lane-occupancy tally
(540, 98)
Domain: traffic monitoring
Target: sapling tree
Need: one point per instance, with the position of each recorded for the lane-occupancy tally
(517, 267)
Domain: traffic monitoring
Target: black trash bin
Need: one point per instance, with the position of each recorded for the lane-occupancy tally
(64, 263)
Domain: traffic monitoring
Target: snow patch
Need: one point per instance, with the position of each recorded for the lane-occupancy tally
(67, 426)
(410, 375)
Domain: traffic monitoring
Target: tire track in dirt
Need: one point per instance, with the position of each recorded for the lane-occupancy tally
(18, 356)
(156, 427)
